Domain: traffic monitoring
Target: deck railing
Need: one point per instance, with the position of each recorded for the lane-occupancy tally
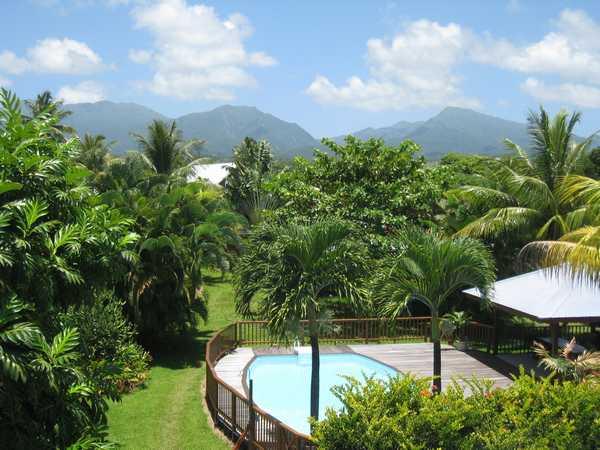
(234, 413)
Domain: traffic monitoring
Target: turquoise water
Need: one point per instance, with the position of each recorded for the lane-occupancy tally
(282, 383)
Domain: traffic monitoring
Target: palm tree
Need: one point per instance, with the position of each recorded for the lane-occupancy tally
(581, 368)
(294, 268)
(579, 248)
(45, 105)
(244, 185)
(429, 269)
(525, 196)
(94, 152)
(165, 150)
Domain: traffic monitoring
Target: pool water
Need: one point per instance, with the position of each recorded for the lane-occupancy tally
(281, 383)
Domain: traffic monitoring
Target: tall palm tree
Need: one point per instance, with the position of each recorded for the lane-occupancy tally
(295, 267)
(46, 104)
(429, 269)
(94, 152)
(165, 149)
(579, 248)
(525, 198)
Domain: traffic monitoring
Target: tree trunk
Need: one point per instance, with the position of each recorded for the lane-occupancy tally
(437, 353)
(314, 377)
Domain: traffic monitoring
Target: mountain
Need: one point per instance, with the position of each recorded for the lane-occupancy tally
(221, 128)
(114, 120)
(453, 129)
(226, 126)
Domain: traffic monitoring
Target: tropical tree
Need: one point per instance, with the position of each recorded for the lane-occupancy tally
(94, 151)
(376, 187)
(579, 249)
(165, 150)
(523, 198)
(245, 183)
(294, 268)
(429, 268)
(45, 105)
(566, 366)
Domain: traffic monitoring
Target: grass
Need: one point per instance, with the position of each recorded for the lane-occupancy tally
(168, 413)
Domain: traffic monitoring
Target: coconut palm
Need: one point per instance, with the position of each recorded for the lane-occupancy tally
(165, 150)
(93, 152)
(579, 248)
(46, 105)
(429, 268)
(525, 196)
(294, 268)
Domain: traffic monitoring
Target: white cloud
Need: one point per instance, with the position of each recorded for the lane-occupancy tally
(571, 52)
(197, 54)
(4, 82)
(584, 96)
(57, 56)
(140, 56)
(84, 92)
(12, 64)
(415, 69)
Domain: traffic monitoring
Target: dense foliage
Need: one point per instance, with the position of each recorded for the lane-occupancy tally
(376, 187)
(402, 414)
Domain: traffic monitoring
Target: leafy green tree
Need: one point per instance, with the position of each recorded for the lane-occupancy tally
(525, 200)
(55, 243)
(244, 185)
(165, 150)
(294, 268)
(429, 268)
(376, 187)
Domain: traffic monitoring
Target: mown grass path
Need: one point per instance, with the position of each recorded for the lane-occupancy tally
(168, 412)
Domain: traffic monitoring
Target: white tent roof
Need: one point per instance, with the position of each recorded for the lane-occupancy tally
(547, 296)
(214, 173)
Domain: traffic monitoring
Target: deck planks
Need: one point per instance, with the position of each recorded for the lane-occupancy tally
(415, 358)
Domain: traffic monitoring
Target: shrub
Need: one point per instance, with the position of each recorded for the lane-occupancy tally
(402, 414)
(109, 352)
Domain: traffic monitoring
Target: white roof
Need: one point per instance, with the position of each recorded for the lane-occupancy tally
(214, 173)
(547, 295)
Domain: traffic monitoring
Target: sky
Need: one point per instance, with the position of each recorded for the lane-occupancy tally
(331, 66)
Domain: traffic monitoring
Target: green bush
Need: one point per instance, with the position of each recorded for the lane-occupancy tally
(402, 414)
(109, 352)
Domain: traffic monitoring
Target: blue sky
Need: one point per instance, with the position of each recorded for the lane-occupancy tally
(331, 66)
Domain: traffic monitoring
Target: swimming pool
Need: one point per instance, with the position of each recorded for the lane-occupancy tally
(281, 383)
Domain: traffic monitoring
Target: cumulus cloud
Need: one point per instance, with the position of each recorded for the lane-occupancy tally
(581, 95)
(418, 67)
(196, 53)
(414, 69)
(56, 56)
(572, 51)
(84, 92)
(4, 82)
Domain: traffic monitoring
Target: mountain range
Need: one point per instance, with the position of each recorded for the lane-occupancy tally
(453, 129)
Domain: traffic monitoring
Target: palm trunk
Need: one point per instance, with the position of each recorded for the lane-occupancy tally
(437, 353)
(314, 376)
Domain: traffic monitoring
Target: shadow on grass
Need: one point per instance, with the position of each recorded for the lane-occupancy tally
(180, 351)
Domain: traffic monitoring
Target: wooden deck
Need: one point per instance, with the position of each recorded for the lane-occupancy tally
(407, 358)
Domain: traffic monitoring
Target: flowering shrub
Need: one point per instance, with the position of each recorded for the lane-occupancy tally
(401, 414)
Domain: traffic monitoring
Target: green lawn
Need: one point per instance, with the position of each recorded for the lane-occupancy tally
(168, 412)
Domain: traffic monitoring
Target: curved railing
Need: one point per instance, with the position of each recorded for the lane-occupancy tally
(232, 411)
